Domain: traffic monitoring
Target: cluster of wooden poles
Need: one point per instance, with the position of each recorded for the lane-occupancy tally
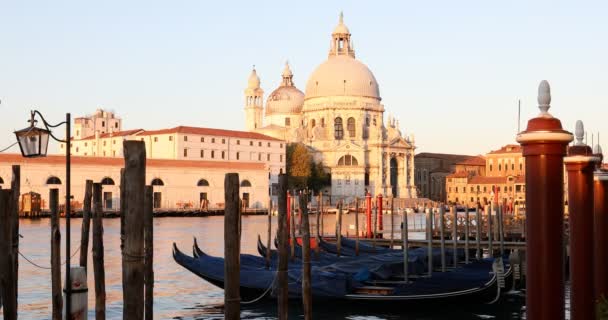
(136, 245)
(290, 204)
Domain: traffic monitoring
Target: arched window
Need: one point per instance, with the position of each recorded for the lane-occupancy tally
(107, 181)
(53, 180)
(313, 123)
(1, 181)
(245, 183)
(203, 183)
(323, 122)
(350, 126)
(338, 129)
(157, 182)
(348, 160)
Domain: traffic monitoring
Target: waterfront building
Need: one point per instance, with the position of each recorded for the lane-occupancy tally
(340, 118)
(433, 168)
(502, 180)
(101, 135)
(177, 184)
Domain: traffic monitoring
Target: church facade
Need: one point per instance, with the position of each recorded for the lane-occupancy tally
(340, 118)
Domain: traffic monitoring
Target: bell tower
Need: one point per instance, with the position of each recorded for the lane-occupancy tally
(254, 96)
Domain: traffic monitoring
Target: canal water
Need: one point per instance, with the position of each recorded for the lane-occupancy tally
(179, 294)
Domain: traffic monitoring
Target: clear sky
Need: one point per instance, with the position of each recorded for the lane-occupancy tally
(450, 71)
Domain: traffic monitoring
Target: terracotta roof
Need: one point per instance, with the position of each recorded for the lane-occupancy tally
(461, 174)
(474, 161)
(452, 158)
(16, 158)
(495, 180)
(114, 134)
(487, 180)
(210, 132)
(440, 170)
(510, 148)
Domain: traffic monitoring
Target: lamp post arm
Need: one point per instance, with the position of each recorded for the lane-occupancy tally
(48, 126)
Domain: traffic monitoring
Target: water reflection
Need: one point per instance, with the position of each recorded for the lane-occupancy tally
(179, 294)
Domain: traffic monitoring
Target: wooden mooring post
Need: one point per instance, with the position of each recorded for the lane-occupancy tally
(268, 234)
(392, 222)
(501, 233)
(405, 246)
(282, 234)
(339, 227)
(319, 214)
(232, 248)
(56, 297)
(429, 237)
(98, 253)
(149, 253)
(466, 234)
(292, 226)
(478, 222)
(356, 226)
(7, 266)
(454, 213)
(488, 210)
(15, 195)
(133, 251)
(86, 224)
(305, 231)
(442, 234)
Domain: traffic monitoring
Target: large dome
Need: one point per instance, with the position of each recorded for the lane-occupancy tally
(285, 99)
(342, 75)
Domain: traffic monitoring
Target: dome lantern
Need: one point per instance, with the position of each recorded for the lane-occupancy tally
(340, 40)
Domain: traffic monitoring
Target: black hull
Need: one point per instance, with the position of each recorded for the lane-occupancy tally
(247, 294)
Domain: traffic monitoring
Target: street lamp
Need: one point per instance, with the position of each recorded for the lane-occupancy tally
(33, 142)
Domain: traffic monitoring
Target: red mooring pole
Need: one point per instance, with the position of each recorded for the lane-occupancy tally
(288, 214)
(580, 165)
(600, 234)
(379, 222)
(544, 146)
(368, 213)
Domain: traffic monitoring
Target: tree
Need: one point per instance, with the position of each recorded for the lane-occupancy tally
(318, 177)
(303, 171)
(298, 166)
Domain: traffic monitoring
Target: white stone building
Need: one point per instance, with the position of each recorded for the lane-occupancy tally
(178, 184)
(340, 118)
(101, 136)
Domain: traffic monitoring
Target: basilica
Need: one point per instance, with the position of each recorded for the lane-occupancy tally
(340, 118)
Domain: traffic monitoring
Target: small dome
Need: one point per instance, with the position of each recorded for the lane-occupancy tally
(254, 80)
(285, 99)
(342, 76)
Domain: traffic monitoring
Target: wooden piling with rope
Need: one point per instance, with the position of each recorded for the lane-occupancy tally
(149, 253)
(98, 253)
(232, 297)
(133, 251)
(56, 296)
(14, 204)
(7, 266)
(282, 235)
(86, 224)
(306, 283)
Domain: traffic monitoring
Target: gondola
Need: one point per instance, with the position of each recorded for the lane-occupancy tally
(470, 282)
